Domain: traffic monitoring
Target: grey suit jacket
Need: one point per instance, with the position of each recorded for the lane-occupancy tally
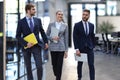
(62, 44)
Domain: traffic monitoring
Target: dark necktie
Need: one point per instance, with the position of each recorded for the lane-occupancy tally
(31, 25)
(86, 30)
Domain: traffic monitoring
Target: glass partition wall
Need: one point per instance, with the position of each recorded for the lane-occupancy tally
(75, 15)
(100, 8)
(2, 42)
(15, 10)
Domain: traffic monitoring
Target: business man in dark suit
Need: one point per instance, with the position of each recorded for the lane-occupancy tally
(83, 38)
(26, 26)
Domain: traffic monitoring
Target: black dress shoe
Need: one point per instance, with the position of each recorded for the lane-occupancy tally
(79, 79)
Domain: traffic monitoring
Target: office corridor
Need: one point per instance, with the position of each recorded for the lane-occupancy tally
(107, 67)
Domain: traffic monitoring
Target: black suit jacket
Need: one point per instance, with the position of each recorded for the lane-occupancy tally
(80, 39)
(24, 30)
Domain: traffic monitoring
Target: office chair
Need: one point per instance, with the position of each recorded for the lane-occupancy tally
(104, 43)
(108, 43)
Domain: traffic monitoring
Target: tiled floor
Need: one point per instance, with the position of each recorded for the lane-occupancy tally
(107, 67)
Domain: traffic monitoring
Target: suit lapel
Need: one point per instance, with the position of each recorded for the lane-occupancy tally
(62, 27)
(89, 28)
(35, 21)
(82, 27)
(54, 25)
(26, 24)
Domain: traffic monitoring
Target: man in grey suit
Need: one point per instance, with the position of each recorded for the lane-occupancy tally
(58, 43)
(83, 38)
(26, 26)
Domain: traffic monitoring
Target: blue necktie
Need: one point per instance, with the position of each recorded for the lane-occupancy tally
(86, 30)
(31, 25)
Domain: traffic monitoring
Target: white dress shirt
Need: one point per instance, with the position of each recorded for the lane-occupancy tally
(28, 20)
(58, 24)
(85, 27)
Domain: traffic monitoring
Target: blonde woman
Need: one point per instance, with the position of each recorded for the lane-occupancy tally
(58, 45)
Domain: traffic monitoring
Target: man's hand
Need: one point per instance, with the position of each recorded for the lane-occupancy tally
(78, 53)
(29, 45)
(46, 46)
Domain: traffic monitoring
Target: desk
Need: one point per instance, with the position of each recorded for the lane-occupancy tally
(10, 48)
(114, 45)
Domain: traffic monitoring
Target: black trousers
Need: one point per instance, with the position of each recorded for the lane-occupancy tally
(36, 51)
(57, 62)
(90, 56)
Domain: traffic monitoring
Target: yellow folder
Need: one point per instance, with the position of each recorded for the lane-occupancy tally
(31, 38)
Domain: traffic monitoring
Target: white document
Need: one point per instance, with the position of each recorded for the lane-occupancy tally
(54, 32)
(82, 58)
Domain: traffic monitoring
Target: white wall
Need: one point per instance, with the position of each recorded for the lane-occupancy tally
(115, 20)
(55, 5)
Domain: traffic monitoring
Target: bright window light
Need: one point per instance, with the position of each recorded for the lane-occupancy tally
(39, 0)
(1, 0)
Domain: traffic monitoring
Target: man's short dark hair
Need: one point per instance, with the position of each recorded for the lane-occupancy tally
(86, 10)
(28, 6)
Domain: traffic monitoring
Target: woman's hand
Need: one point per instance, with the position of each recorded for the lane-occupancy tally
(65, 54)
(56, 38)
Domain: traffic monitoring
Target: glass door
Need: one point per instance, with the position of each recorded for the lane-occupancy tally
(76, 14)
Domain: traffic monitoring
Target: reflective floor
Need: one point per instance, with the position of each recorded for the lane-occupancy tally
(107, 67)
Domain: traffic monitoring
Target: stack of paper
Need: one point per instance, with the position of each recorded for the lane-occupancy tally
(54, 33)
(82, 57)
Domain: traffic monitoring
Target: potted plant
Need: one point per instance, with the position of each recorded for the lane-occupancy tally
(104, 28)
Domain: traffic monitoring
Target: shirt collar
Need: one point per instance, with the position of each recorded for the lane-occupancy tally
(84, 21)
(59, 22)
(29, 18)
